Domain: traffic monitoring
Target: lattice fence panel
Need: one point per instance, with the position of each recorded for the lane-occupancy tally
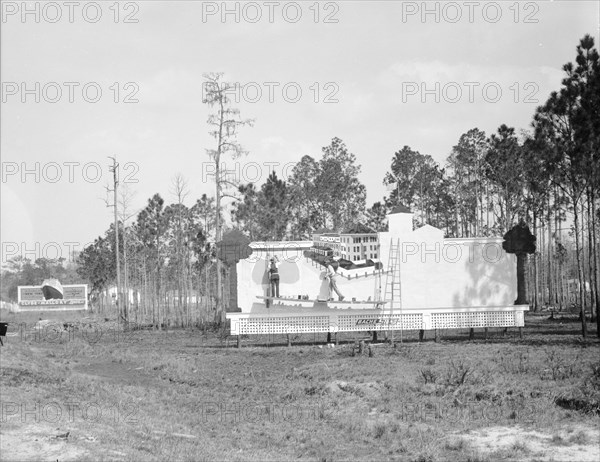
(283, 325)
(475, 319)
(350, 323)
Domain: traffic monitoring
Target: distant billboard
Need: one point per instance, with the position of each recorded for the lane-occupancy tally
(31, 298)
(330, 238)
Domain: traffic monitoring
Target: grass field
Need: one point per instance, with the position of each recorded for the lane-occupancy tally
(97, 393)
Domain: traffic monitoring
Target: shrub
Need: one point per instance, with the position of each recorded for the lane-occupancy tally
(558, 367)
(457, 374)
(428, 375)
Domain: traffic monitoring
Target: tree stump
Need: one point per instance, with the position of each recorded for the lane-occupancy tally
(520, 332)
(289, 339)
(374, 336)
(328, 337)
(421, 335)
(485, 333)
(239, 341)
(471, 333)
(437, 335)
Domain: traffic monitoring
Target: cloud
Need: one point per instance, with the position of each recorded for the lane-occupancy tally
(17, 223)
(172, 87)
(517, 84)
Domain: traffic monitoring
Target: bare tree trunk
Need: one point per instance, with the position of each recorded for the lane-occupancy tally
(218, 231)
(594, 308)
(154, 301)
(487, 204)
(146, 302)
(191, 289)
(551, 294)
(596, 262)
(579, 270)
(126, 275)
(456, 212)
(559, 267)
(480, 207)
(535, 269)
(561, 287)
(159, 309)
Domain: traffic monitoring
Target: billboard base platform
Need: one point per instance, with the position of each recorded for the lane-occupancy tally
(298, 320)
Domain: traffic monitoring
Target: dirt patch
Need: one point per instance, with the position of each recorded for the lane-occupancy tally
(576, 444)
(363, 390)
(14, 377)
(129, 373)
(37, 442)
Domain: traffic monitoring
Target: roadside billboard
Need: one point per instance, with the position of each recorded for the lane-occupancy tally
(31, 298)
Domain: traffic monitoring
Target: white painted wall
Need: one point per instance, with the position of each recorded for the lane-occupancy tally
(435, 272)
(297, 276)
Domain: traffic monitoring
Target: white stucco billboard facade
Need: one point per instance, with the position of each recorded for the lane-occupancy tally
(441, 283)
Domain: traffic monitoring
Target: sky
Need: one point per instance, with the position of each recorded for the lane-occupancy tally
(83, 81)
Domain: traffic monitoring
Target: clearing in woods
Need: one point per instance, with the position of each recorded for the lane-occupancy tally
(189, 395)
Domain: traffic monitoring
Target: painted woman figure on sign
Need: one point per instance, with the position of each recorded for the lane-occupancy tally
(323, 295)
(332, 276)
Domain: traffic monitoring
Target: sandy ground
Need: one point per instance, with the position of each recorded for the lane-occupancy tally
(29, 441)
(39, 442)
(539, 446)
(34, 442)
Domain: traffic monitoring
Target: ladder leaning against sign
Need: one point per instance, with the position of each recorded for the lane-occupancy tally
(393, 291)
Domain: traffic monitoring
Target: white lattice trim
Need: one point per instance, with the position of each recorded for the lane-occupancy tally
(280, 325)
(356, 322)
(474, 319)
(350, 323)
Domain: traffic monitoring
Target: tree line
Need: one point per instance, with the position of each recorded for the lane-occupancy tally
(547, 176)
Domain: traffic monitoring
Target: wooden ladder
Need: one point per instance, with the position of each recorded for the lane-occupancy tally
(393, 291)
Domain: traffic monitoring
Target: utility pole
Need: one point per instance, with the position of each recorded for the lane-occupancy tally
(115, 171)
(422, 220)
(125, 203)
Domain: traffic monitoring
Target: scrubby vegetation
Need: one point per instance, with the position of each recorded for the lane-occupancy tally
(189, 395)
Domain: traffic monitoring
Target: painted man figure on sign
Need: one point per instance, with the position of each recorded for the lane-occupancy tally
(332, 276)
(274, 276)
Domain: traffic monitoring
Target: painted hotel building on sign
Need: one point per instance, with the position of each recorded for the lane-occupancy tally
(348, 246)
